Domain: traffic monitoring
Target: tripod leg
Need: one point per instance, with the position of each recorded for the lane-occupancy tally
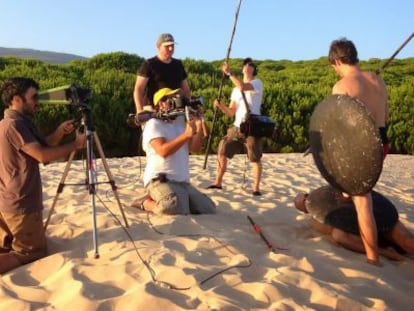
(92, 181)
(110, 177)
(95, 230)
(60, 188)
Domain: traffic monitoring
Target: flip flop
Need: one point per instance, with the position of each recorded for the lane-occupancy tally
(214, 187)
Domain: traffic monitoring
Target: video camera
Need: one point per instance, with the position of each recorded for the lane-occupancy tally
(75, 97)
(178, 102)
(178, 105)
(68, 95)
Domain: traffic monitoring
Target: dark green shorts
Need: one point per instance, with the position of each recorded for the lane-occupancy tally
(235, 143)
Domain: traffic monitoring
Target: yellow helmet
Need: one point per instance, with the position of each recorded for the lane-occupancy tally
(162, 93)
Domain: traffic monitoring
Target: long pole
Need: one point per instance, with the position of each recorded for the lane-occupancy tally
(223, 76)
(395, 53)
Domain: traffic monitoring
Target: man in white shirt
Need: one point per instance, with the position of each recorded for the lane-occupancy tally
(235, 141)
(167, 143)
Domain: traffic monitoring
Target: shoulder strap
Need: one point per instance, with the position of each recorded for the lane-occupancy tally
(246, 104)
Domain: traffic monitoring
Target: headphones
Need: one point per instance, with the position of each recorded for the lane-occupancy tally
(255, 70)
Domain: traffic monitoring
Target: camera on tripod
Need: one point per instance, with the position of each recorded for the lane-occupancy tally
(72, 95)
(75, 97)
(178, 106)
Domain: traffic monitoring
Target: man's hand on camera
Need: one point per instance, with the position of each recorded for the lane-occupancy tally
(190, 128)
(67, 127)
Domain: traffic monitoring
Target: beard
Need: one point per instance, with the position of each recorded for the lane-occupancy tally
(29, 110)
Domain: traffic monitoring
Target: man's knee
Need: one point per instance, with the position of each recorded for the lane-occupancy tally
(29, 256)
(229, 147)
(29, 238)
(254, 157)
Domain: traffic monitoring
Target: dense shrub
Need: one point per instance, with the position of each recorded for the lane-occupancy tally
(291, 92)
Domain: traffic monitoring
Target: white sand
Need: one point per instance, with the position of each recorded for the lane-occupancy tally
(308, 273)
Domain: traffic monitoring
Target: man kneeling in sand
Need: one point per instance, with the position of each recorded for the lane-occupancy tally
(167, 143)
(334, 215)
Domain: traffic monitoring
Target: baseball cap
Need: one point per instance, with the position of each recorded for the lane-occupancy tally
(163, 92)
(165, 39)
(249, 61)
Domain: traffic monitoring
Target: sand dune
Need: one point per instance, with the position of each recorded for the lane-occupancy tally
(206, 262)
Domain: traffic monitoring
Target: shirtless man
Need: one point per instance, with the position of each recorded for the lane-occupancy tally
(334, 215)
(371, 90)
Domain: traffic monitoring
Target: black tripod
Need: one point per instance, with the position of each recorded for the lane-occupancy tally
(91, 174)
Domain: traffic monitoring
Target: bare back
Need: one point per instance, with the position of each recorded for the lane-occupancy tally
(370, 89)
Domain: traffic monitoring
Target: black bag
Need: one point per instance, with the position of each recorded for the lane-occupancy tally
(258, 126)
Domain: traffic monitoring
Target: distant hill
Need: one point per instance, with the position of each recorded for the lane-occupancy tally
(46, 56)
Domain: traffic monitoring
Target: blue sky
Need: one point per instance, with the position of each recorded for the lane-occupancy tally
(266, 29)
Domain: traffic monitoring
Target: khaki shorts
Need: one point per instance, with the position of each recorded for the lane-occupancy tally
(179, 198)
(23, 235)
(235, 142)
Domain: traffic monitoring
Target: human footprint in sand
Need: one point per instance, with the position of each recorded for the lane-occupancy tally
(336, 216)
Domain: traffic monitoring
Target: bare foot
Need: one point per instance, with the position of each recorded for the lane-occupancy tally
(391, 254)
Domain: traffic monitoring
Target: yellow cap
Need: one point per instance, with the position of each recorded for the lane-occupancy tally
(163, 92)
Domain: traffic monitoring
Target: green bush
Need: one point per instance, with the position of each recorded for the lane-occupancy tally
(291, 92)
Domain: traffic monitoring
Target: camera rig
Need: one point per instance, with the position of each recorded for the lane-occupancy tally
(178, 106)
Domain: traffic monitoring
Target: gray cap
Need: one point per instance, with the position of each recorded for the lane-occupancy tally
(165, 39)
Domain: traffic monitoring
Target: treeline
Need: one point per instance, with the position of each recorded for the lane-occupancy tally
(292, 89)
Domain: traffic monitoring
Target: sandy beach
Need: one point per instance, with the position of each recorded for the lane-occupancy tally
(205, 262)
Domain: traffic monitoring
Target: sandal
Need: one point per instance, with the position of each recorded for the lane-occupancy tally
(214, 187)
(139, 204)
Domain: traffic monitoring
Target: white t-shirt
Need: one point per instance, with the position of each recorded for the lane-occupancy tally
(176, 164)
(254, 100)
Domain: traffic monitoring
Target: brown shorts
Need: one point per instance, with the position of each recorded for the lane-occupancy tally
(234, 143)
(23, 235)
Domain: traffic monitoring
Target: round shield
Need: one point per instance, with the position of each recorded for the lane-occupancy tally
(345, 144)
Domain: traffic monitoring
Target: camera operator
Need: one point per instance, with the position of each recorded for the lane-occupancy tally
(22, 237)
(167, 143)
(159, 72)
(235, 141)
